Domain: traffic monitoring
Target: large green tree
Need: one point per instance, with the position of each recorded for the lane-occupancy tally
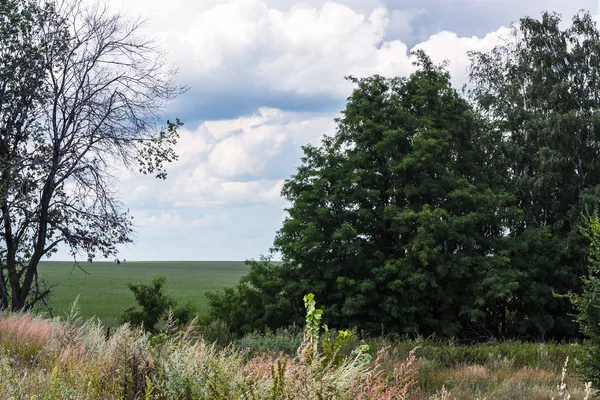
(541, 92)
(392, 222)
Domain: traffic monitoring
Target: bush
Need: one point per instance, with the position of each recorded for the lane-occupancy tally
(284, 340)
(155, 304)
(216, 332)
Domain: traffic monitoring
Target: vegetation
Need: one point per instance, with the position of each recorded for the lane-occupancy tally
(392, 223)
(588, 303)
(540, 93)
(428, 214)
(73, 358)
(68, 116)
(155, 305)
(262, 299)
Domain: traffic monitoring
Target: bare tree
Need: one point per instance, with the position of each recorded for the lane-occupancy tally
(81, 96)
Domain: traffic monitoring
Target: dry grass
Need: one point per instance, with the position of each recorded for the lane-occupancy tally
(23, 336)
(74, 359)
(80, 362)
(26, 328)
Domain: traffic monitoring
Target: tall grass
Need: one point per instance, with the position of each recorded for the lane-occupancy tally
(75, 359)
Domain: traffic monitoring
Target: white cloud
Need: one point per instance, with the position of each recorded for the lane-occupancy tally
(447, 46)
(305, 49)
(232, 48)
(237, 47)
(201, 190)
(165, 220)
(231, 162)
(224, 190)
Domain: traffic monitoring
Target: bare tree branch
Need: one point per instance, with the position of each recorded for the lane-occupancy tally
(92, 98)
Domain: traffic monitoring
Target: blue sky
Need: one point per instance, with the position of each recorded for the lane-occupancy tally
(265, 78)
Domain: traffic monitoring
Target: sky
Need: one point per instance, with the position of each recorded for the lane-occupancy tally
(266, 77)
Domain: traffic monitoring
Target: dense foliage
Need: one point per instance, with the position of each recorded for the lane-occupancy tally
(393, 224)
(429, 213)
(540, 92)
(260, 299)
(588, 303)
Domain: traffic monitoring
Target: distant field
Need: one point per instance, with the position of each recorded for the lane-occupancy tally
(104, 292)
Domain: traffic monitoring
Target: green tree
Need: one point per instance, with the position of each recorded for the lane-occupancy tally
(392, 223)
(541, 92)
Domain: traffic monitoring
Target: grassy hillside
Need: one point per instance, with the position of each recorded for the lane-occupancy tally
(104, 293)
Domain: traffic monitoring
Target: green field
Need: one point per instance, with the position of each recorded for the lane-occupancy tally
(104, 293)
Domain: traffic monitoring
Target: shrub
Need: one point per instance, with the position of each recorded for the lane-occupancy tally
(216, 332)
(155, 304)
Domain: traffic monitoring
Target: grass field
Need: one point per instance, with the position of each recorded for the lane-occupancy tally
(104, 293)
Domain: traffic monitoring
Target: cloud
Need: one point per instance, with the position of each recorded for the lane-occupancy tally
(401, 25)
(209, 221)
(477, 17)
(448, 46)
(238, 55)
(163, 221)
(303, 51)
(266, 77)
(232, 162)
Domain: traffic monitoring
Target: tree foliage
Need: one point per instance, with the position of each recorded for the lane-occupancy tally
(430, 213)
(81, 96)
(541, 92)
(392, 223)
(265, 298)
(588, 303)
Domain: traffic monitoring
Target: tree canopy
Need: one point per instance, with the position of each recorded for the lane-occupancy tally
(540, 92)
(430, 212)
(392, 223)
